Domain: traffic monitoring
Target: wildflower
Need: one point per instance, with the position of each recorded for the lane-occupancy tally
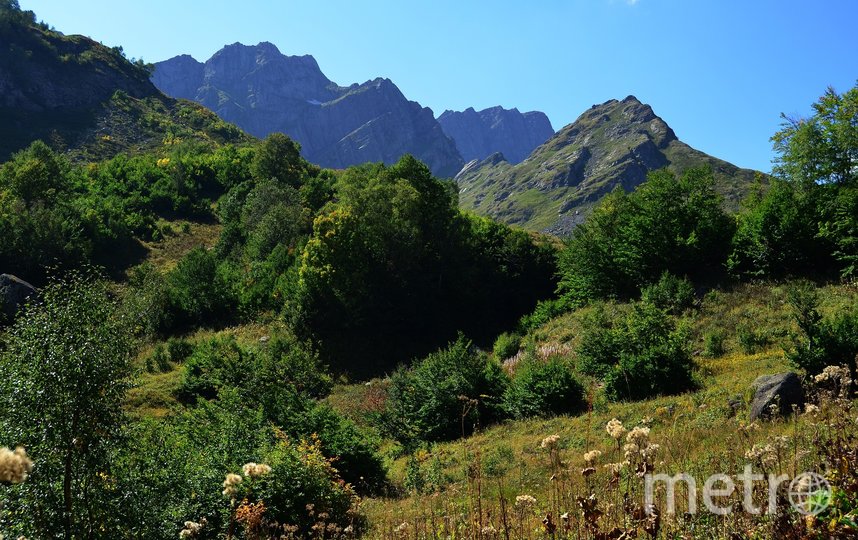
(401, 529)
(615, 429)
(615, 468)
(638, 435)
(230, 485)
(834, 373)
(551, 442)
(14, 465)
(523, 502)
(254, 470)
(592, 456)
(811, 409)
(490, 531)
(192, 528)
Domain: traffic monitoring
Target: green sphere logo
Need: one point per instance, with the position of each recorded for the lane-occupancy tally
(810, 493)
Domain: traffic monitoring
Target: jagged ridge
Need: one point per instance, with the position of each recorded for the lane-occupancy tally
(264, 91)
(613, 144)
(508, 131)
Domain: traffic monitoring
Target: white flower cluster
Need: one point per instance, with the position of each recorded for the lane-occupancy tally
(255, 470)
(551, 442)
(839, 374)
(230, 485)
(615, 429)
(768, 454)
(638, 445)
(192, 529)
(592, 456)
(523, 502)
(14, 465)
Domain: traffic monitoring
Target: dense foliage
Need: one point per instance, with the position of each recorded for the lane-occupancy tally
(667, 224)
(822, 341)
(445, 395)
(63, 374)
(543, 389)
(639, 354)
(392, 266)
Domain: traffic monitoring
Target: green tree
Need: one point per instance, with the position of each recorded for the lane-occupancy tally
(35, 174)
(667, 224)
(63, 377)
(279, 158)
(824, 147)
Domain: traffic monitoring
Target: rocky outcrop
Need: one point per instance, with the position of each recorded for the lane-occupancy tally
(13, 293)
(776, 395)
(478, 135)
(263, 91)
(613, 144)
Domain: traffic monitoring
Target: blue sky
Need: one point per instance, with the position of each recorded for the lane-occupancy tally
(720, 72)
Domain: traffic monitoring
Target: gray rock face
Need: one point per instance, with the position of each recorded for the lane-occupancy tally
(508, 131)
(13, 293)
(782, 390)
(263, 91)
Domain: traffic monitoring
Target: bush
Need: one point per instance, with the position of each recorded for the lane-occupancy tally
(713, 344)
(179, 349)
(544, 389)
(600, 344)
(506, 346)
(822, 341)
(672, 294)
(638, 355)
(445, 394)
(545, 311)
(751, 341)
(197, 291)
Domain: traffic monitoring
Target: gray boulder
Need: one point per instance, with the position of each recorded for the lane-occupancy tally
(13, 293)
(779, 392)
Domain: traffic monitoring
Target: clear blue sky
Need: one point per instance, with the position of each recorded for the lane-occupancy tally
(720, 72)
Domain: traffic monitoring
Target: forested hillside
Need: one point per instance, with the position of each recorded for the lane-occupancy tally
(220, 339)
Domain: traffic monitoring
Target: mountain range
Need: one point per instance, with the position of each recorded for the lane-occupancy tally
(613, 144)
(262, 91)
(89, 100)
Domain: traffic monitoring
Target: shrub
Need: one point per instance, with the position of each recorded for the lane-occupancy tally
(640, 354)
(506, 345)
(179, 349)
(543, 389)
(545, 311)
(750, 340)
(822, 341)
(197, 291)
(713, 344)
(443, 395)
(670, 293)
(214, 365)
(600, 343)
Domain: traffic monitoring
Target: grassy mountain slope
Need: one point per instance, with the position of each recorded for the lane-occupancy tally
(85, 98)
(613, 144)
(699, 432)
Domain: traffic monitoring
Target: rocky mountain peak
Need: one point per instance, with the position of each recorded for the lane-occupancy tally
(264, 91)
(478, 135)
(615, 143)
